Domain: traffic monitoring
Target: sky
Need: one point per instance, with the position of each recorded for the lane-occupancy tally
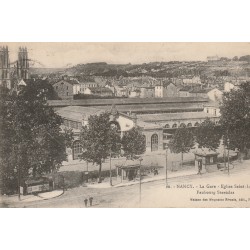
(57, 55)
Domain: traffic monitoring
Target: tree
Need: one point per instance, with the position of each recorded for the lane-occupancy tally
(99, 139)
(32, 142)
(133, 143)
(182, 142)
(235, 118)
(208, 135)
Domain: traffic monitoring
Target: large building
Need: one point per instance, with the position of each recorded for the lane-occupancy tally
(64, 89)
(155, 126)
(20, 70)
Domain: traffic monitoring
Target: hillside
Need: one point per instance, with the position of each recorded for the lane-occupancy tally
(154, 69)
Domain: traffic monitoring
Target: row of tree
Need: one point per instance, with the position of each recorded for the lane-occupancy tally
(233, 127)
(207, 135)
(101, 140)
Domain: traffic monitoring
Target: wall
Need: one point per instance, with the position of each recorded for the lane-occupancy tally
(171, 91)
(125, 123)
(148, 134)
(64, 90)
(215, 95)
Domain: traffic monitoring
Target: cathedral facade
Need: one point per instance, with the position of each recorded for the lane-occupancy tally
(20, 70)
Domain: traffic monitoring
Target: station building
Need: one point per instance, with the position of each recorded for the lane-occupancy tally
(158, 121)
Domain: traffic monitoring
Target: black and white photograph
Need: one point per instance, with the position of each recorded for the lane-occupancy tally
(124, 125)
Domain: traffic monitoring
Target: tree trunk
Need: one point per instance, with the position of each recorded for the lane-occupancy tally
(100, 173)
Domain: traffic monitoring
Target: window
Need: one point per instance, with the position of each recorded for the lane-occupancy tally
(67, 87)
(174, 125)
(154, 142)
(77, 150)
(197, 124)
(189, 125)
(167, 126)
(182, 125)
(56, 87)
(67, 93)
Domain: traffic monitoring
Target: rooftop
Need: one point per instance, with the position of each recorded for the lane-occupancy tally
(127, 101)
(77, 113)
(174, 116)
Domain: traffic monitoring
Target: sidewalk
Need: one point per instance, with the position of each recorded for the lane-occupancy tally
(162, 176)
(30, 198)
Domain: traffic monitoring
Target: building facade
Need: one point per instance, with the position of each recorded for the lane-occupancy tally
(64, 89)
(98, 91)
(147, 92)
(23, 64)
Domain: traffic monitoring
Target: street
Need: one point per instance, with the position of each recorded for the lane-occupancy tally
(180, 192)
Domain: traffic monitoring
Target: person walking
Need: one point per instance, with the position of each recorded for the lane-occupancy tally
(90, 201)
(86, 202)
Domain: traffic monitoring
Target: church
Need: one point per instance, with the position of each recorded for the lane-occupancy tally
(20, 69)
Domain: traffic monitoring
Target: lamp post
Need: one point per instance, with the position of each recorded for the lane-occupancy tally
(140, 159)
(166, 166)
(110, 172)
(17, 171)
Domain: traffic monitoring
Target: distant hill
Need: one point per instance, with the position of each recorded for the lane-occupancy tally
(44, 71)
(154, 69)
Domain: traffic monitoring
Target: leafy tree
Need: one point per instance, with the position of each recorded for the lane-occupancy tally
(208, 135)
(182, 142)
(133, 143)
(31, 139)
(235, 118)
(99, 139)
(43, 88)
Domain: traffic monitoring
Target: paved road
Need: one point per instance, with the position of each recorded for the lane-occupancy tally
(153, 193)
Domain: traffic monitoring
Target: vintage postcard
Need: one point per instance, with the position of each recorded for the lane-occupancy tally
(124, 125)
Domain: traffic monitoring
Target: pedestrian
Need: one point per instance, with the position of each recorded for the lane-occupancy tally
(90, 201)
(86, 202)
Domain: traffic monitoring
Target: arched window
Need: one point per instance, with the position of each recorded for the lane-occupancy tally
(197, 124)
(167, 126)
(189, 125)
(77, 150)
(182, 125)
(154, 142)
(174, 125)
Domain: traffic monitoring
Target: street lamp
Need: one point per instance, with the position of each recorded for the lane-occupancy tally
(110, 172)
(18, 180)
(140, 159)
(166, 166)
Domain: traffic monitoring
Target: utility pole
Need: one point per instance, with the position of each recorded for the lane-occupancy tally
(140, 159)
(110, 172)
(166, 166)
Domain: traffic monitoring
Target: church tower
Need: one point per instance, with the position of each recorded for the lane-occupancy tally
(5, 67)
(23, 64)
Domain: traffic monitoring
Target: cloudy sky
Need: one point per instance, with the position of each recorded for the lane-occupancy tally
(63, 54)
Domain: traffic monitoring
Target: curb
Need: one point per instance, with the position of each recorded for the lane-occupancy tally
(42, 198)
